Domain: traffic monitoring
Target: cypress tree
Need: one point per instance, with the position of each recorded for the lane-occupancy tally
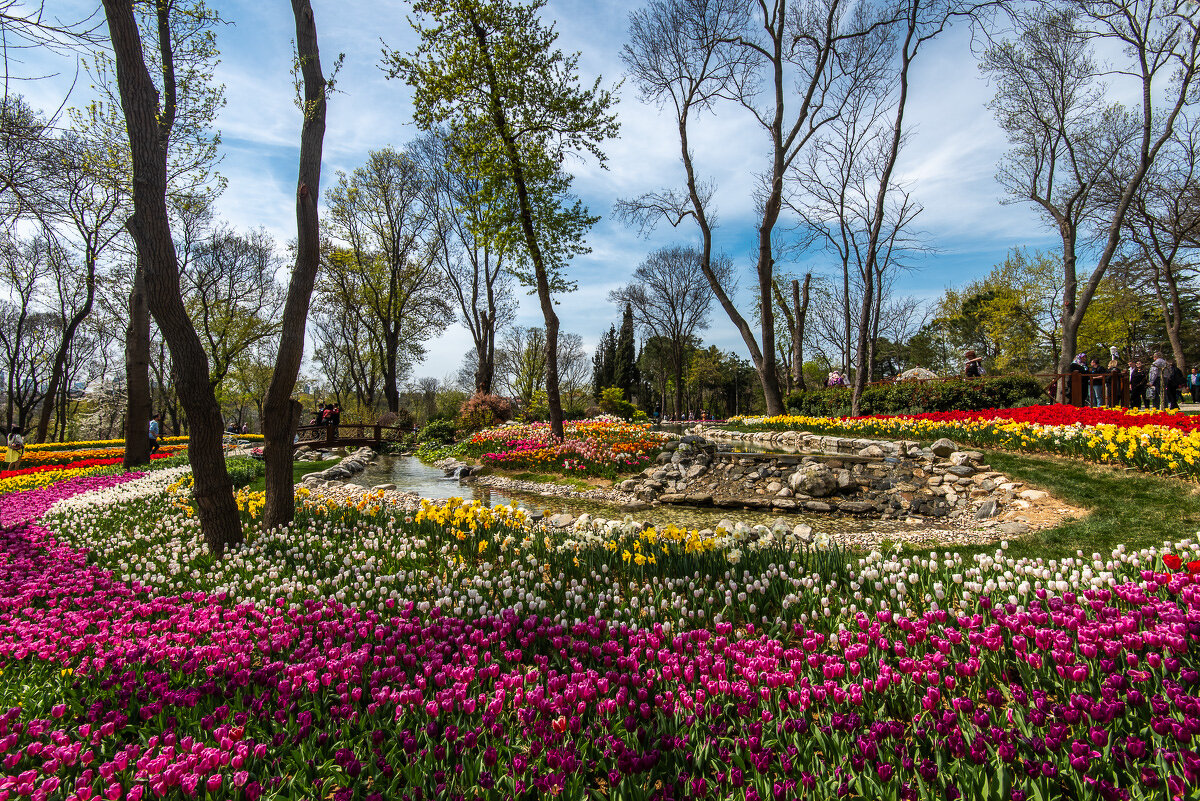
(603, 361)
(625, 357)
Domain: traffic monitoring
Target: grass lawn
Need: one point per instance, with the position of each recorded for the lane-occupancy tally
(1127, 507)
(299, 469)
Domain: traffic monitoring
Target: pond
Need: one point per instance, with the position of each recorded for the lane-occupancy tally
(411, 475)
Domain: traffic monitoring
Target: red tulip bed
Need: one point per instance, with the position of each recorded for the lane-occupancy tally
(885, 678)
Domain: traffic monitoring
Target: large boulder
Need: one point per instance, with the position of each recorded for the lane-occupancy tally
(815, 480)
(943, 447)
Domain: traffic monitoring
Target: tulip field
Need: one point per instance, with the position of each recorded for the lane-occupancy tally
(605, 447)
(372, 651)
(1161, 442)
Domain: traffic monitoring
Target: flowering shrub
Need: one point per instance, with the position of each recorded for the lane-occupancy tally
(604, 447)
(544, 665)
(1158, 441)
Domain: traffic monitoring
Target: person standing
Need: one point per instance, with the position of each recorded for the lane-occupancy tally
(1137, 385)
(1194, 384)
(155, 430)
(16, 447)
(973, 365)
(1112, 382)
(1095, 384)
(1157, 379)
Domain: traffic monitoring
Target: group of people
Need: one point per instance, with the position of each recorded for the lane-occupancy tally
(327, 414)
(836, 379)
(1159, 386)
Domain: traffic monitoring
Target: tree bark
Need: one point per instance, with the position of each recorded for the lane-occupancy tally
(281, 414)
(137, 375)
(801, 312)
(151, 231)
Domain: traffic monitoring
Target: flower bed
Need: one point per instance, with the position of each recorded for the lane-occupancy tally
(65, 457)
(600, 447)
(101, 443)
(1154, 441)
(737, 664)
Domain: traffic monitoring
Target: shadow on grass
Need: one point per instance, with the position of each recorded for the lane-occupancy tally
(1126, 507)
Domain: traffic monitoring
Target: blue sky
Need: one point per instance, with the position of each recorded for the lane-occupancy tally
(950, 161)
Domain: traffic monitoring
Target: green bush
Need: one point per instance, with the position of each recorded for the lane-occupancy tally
(440, 432)
(915, 397)
(612, 401)
(243, 470)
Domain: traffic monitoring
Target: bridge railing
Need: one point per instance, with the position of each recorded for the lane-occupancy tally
(348, 434)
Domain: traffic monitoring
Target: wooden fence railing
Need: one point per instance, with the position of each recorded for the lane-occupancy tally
(347, 434)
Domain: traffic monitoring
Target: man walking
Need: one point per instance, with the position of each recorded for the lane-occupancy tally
(155, 430)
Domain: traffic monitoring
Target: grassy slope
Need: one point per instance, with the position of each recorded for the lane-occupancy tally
(299, 469)
(1137, 509)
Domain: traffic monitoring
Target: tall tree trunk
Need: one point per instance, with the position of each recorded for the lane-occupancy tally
(800, 310)
(151, 231)
(281, 414)
(137, 375)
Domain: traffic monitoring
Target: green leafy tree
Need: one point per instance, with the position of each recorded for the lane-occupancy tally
(489, 70)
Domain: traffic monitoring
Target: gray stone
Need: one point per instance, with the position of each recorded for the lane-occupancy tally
(699, 499)
(783, 503)
(872, 452)
(1033, 495)
(695, 471)
(672, 497)
(663, 458)
(628, 485)
(961, 470)
(308, 476)
(856, 507)
(943, 447)
(817, 506)
(562, 520)
(816, 480)
(774, 487)
(1012, 529)
(784, 493)
(987, 509)
(383, 487)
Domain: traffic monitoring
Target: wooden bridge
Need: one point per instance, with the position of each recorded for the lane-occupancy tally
(348, 434)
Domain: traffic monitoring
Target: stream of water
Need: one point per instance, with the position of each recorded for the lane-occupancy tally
(411, 475)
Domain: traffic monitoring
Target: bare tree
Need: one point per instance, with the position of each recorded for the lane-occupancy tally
(470, 252)
(149, 125)
(387, 273)
(281, 412)
(1078, 157)
(1163, 229)
(671, 298)
(792, 69)
(232, 295)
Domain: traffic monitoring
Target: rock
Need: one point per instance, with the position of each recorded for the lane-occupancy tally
(959, 457)
(816, 480)
(562, 520)
(987, 509)
(943, 447)
(961, 470)
(856, 507)
(663, 458)
(332, 484)
(783, 503)
(1012, 529)
(383, 487)
(633, 507)
(872, 452)
(695, 471)
(817, 506)
(774, 487)
(698, 499)
(308, 476)
(670, 446)
(628, 485)
(784, 493)
(1033, 495)
(672, 497)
